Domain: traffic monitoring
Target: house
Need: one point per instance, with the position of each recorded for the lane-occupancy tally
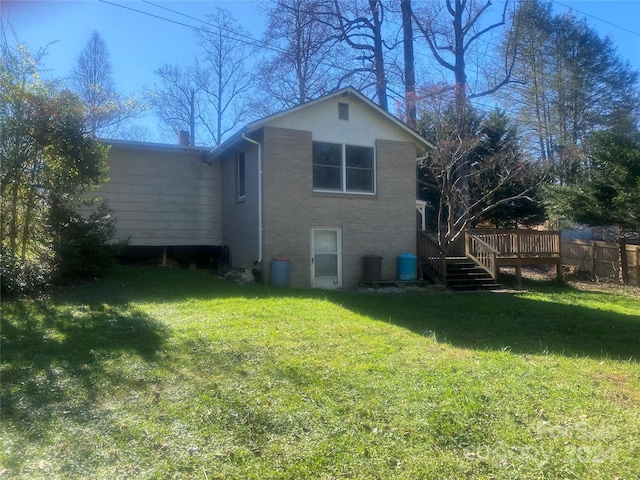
(322, 184)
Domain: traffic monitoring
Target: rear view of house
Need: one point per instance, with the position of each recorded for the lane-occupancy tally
(322, 185)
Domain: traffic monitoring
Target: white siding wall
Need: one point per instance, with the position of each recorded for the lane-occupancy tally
(364, 126)
(164, 196)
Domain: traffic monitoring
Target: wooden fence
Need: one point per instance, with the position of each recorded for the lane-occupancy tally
(601, 258)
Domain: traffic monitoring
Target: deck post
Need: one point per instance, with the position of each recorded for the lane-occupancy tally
(559, 278)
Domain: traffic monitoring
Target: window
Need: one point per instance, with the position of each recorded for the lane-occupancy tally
(343, 168)
(240, 178)
(359, 168)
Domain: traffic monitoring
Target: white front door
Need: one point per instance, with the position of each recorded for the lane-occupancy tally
(326, 261)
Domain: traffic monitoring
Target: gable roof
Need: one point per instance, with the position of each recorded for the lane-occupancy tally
(422, 143)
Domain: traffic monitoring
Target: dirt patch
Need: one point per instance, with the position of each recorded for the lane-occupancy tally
(571, 273)
(621, 388)
(576, 277)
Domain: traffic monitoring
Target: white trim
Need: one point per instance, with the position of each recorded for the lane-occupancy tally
(421, 207)
(343, 171)
(154, 146)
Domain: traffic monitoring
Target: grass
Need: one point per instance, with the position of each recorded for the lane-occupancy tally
(157, 373)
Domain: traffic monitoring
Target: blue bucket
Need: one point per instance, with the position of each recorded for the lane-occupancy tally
(280, 272)
(407, 266)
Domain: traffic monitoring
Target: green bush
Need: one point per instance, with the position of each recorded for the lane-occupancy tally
(18, 276)
(81, 246)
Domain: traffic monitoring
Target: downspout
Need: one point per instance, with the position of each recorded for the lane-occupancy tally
(250, 140)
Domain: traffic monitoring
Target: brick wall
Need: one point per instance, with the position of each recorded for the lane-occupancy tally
(380, 224)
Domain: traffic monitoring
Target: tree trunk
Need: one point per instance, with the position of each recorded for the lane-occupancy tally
(409, 64)
(459, 71)
(27, 224)
(13, 225)
(378, 56)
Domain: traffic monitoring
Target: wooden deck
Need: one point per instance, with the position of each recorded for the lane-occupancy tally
(492, 249)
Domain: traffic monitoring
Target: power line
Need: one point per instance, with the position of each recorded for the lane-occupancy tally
(596, 18)
(243, 38)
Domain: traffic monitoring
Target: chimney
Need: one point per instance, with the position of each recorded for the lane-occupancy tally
(183, 138)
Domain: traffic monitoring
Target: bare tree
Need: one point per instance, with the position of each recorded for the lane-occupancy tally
(477, 168)
(453, 32)
(91, 79)
(222, 74)
(453, 45)
(304, 63)
(175, 99)
(360, 27)
(409, 63)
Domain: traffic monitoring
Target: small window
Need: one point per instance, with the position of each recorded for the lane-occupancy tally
(240, 176)
(343, 111)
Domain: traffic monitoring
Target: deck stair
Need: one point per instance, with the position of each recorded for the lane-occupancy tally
(464, 274)
(485, 252)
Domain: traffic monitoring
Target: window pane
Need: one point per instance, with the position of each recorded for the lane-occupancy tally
(327, 154)
(240, 176)
(325, 241)
(358, 179)
(360, 157)
(327, 177)
(327, 165)
(326, 265)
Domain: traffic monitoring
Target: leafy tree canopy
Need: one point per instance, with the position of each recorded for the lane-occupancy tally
(46, 158)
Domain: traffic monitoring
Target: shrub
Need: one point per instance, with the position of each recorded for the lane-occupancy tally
(81, 246)
(18, 276)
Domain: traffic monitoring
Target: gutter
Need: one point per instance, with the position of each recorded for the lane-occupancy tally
(260, 229)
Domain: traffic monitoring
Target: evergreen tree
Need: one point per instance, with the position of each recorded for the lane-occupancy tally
(607, 190)
(499, 154)
(570, 82)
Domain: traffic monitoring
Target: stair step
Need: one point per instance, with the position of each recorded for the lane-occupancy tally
(464, 274)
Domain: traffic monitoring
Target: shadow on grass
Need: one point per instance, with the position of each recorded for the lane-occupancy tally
(498, 321)
(54, 355)
(484, 321)
(476, 321)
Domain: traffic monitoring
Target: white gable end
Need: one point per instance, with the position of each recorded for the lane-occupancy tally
(363, 127)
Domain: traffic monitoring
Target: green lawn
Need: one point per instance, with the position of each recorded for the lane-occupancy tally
(161, 373)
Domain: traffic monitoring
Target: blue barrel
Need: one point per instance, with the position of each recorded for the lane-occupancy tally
(407, 266)
(280, 272)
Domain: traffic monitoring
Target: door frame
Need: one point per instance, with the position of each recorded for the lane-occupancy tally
(337, 281)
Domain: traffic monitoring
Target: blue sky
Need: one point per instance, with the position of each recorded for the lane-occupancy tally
(139, 44)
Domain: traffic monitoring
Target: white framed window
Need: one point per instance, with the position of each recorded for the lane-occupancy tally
(240, 176)
(343, 168)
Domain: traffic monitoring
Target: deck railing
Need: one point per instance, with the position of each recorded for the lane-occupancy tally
(483, 253)
(520, 243)
(492, 249)
(431, 253)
